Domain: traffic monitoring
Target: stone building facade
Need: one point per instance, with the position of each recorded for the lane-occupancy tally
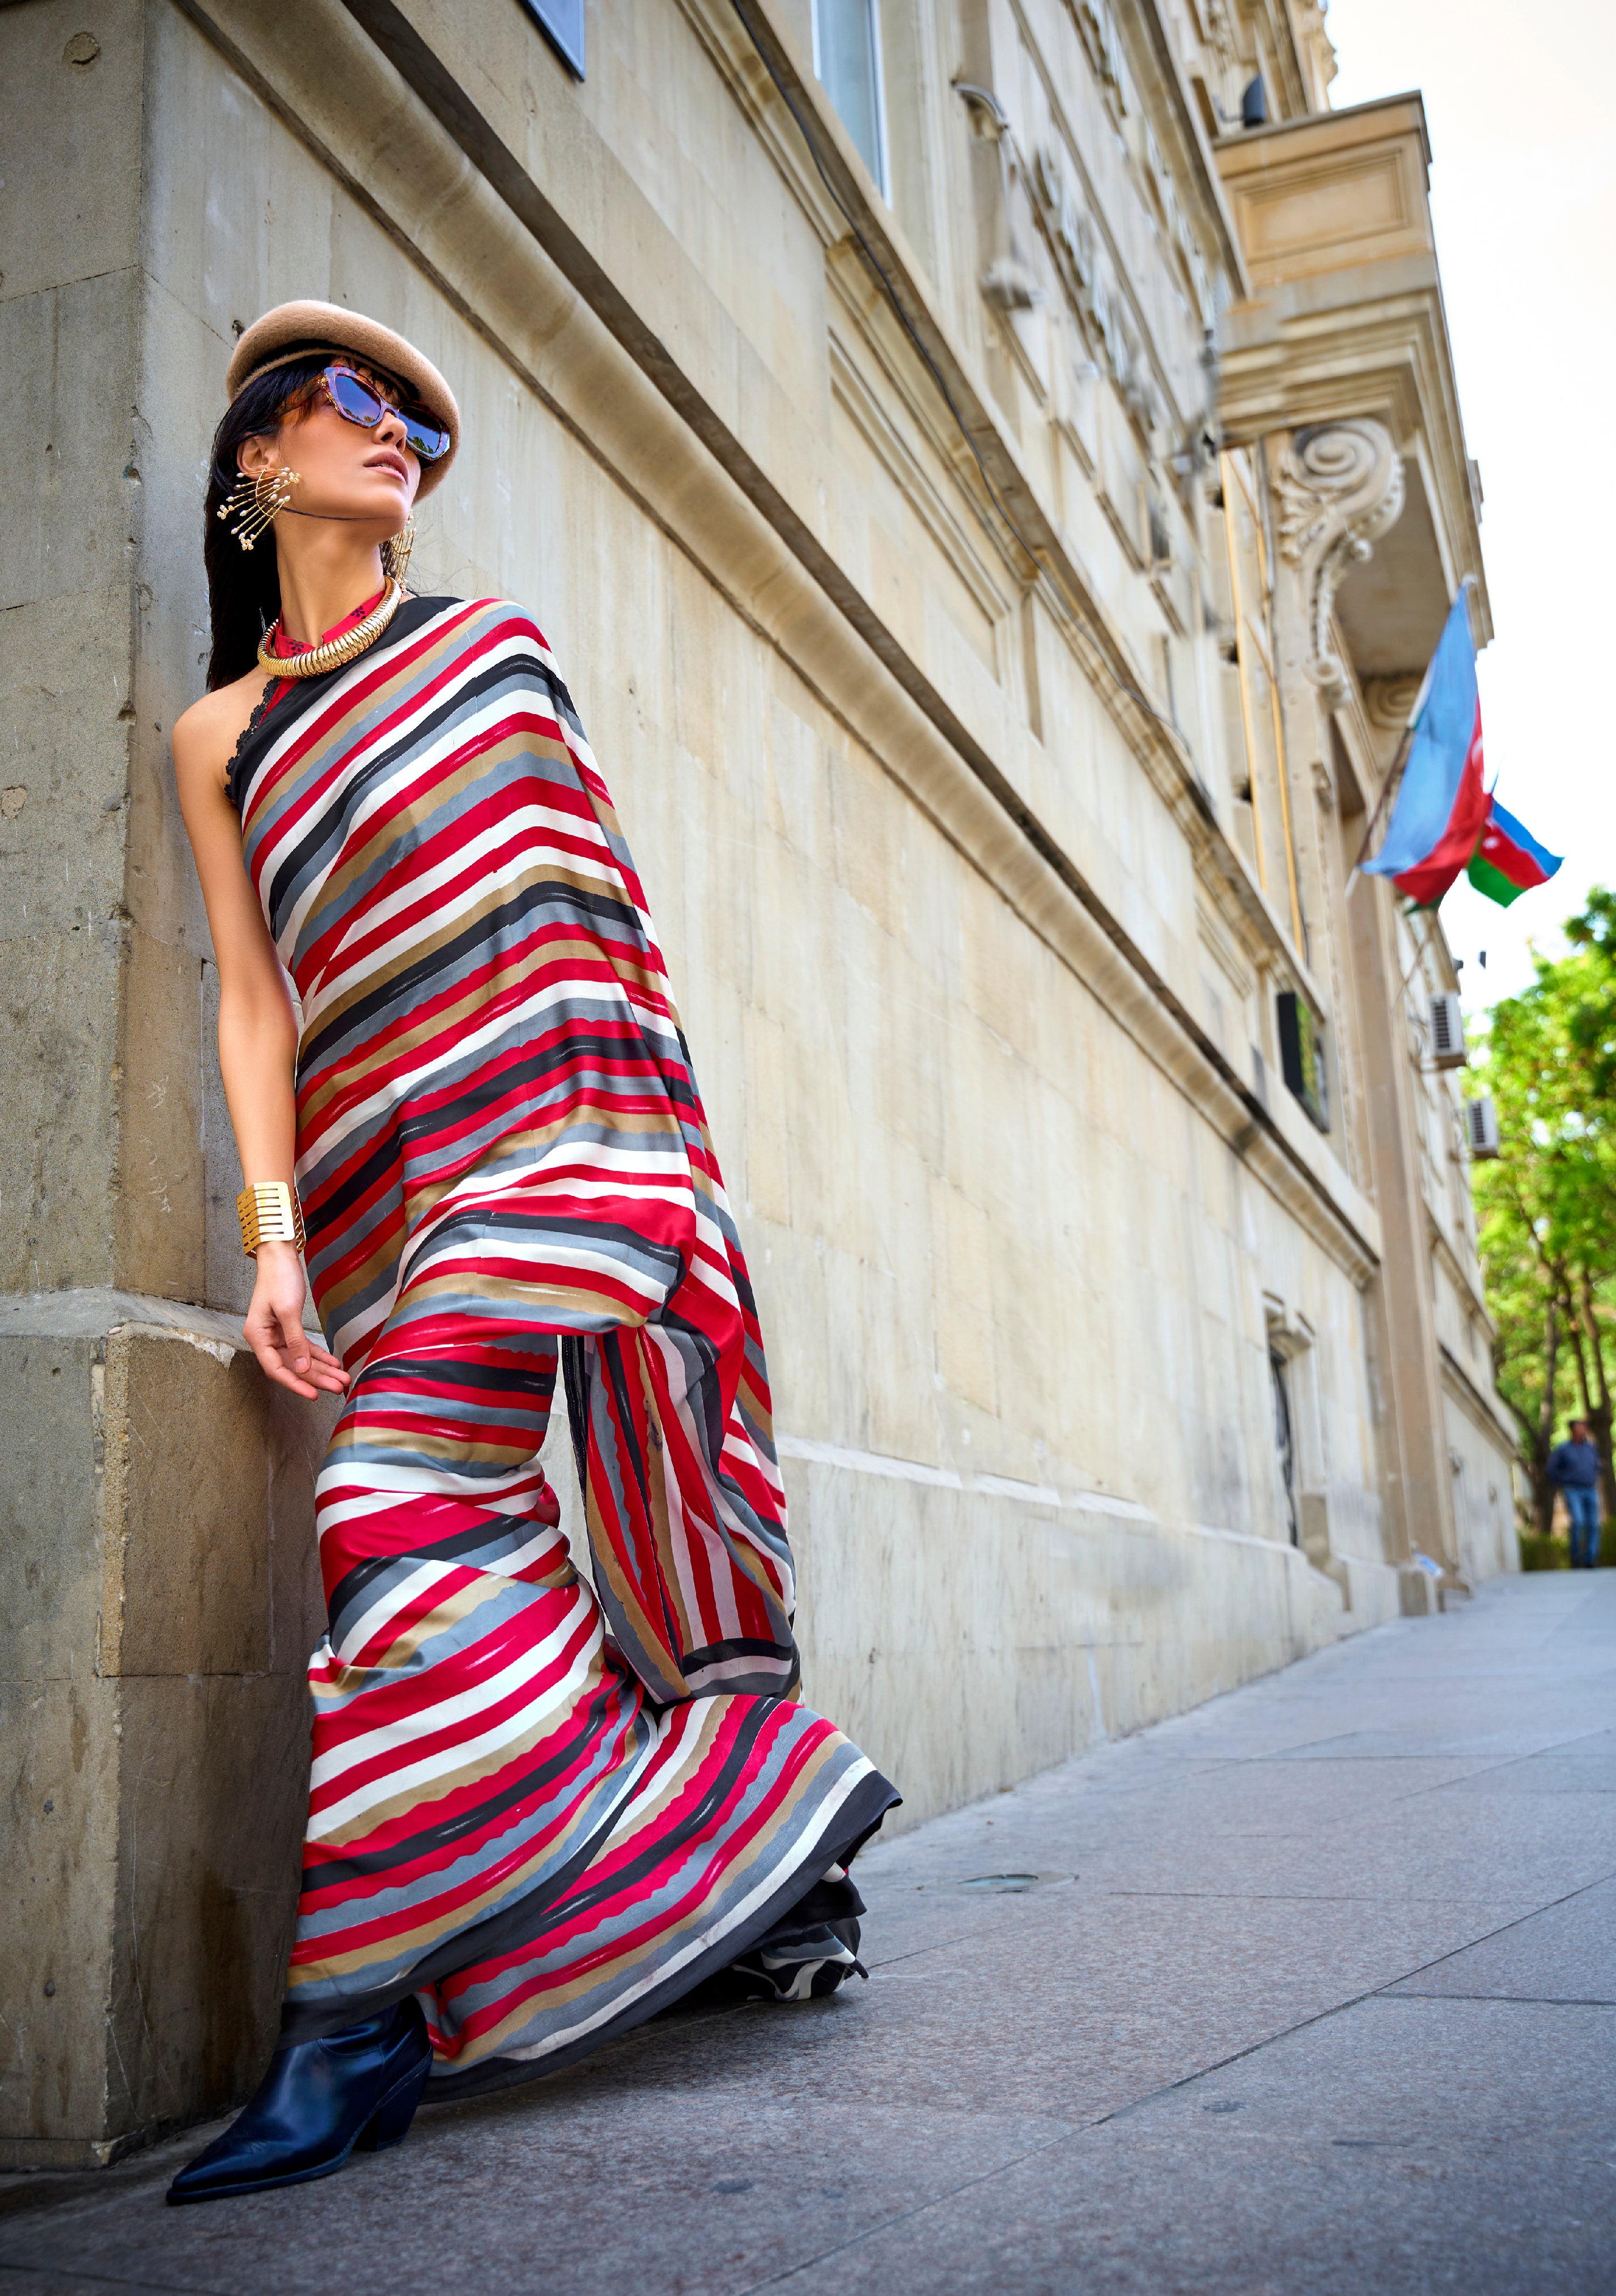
(992, 508)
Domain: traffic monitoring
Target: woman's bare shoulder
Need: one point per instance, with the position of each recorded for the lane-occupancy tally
(205, 735)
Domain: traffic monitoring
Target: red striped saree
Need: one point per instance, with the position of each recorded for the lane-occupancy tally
(548, 1808)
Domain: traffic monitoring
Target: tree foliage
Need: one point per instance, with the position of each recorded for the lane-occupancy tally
(1547, 1208)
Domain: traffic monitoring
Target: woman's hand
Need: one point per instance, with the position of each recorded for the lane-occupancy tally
(274, 1331)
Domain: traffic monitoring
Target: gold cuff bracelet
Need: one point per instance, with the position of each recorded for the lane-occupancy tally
(269, 1213)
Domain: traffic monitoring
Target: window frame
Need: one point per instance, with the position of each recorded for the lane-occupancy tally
(882, 172)
(562, 22)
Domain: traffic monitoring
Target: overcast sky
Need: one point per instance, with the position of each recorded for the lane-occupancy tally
(1518, 100)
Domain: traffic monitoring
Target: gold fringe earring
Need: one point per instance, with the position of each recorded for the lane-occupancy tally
(396, 551)
(254, 503)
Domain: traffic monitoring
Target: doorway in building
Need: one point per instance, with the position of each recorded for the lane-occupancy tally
(1285, 1441)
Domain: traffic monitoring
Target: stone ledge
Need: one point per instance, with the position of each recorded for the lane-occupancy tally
(93, 1314)
(1056, 1620)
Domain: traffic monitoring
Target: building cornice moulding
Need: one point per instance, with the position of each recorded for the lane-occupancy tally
(1401, 113)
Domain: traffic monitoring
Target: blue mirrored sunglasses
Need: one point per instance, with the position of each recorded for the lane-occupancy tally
(361, 403)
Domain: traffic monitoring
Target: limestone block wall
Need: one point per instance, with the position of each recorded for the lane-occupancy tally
(1021, 1247)
(993, 1242)
(1483, 1502)
(69, 322)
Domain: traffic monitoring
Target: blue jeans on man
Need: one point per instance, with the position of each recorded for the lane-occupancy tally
(1573, 1468)
(1582, 1505)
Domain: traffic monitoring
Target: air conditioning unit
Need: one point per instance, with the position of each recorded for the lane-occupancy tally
(1447, 1047)
(1480, 1129)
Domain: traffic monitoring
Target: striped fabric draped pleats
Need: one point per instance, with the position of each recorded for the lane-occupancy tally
(548, 1804)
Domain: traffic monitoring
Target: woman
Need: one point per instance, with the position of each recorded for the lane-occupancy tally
(540, 1812)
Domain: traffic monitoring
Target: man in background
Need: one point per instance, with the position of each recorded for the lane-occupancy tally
(1574, 1466)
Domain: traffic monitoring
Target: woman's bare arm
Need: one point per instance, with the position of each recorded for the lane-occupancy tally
(257, 1030)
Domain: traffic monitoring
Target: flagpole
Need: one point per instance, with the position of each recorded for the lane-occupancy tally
(1394, 771)
(1393, 775)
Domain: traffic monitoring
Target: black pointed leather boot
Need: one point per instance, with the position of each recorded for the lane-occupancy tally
(317, 2101)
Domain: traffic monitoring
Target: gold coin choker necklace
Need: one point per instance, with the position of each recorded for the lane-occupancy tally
(332, 653)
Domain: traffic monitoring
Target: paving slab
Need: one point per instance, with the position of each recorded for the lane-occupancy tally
(1565, 1954)
(1077, 2007)
(1309, 1990)
(1584, 1764)
(714, 2179)
(1391, 2150)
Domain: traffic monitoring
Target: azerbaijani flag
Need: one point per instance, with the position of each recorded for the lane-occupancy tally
(1441, 804)
(1508, 861)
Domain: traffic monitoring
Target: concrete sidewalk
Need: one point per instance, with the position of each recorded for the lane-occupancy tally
(1313, 1988)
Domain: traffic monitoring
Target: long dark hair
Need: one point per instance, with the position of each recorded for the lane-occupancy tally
(244, 585)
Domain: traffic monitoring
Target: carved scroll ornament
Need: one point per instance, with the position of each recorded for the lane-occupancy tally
(1341, 487)
(1389, 700)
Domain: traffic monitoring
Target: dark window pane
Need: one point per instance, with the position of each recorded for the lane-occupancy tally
(1284, 1442)
(1301, 1052)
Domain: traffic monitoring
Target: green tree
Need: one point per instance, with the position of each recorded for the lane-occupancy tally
(1547, 1208)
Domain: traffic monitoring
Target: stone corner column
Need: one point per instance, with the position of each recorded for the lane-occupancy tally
(158, 1597)
(159, 1591)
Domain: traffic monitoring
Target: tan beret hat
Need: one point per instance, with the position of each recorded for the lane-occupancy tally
(294, 329)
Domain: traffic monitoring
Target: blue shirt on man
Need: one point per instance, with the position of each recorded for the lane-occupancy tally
(1575, 1464)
